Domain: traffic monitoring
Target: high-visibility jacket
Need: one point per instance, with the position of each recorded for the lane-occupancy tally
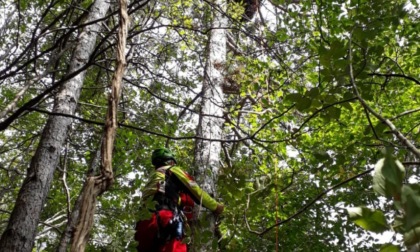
(151, 234)
(157, 180)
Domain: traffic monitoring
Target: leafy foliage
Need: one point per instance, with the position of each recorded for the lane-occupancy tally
(372, 220)
(389, 174)
(388, 181)
(298, 144)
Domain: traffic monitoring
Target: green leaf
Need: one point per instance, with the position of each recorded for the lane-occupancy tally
(380, 128)
(338, 49)
(398, 225)
(348, 106)
(368, 219)
(294, 97)
(321, 155)
(24, 4)
(334, 112)
(388, 177)
(412, 236)
(313, 93)
(303, 103)
(410, 199)
(325, 57)
(388, 247)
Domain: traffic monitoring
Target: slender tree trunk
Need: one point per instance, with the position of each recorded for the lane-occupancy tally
(207, 154)
(74, 217)
(96, 185)
(21, 229)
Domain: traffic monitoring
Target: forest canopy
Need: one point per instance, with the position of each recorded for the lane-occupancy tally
(302, 117)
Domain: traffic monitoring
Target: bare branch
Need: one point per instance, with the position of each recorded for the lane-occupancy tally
(405, 113)
(64, 179)
(397, 75)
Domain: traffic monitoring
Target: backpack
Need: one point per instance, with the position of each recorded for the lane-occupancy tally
(171, 192)
(168, 191)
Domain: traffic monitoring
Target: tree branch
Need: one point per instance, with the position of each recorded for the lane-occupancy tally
(250, 137)
(405, 113)
(27, 106)
(387, 122)
(320, 110)
(397, 75)
(313, 201)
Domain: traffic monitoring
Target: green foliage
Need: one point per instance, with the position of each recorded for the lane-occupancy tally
(371, 220)
(389, 248)
(387, 181)
(305, 130)
(389, 175)
(235, 10)
(410, 200)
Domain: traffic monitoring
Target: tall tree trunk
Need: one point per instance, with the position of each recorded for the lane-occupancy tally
(96, 185)
(21, 229)
(207, 154)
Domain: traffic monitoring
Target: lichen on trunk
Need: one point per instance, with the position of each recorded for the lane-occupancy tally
(207, 153)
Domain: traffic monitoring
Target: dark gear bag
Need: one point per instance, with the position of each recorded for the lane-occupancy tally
(167, 222)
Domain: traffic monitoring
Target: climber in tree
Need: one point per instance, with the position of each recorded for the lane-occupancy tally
(172, 192)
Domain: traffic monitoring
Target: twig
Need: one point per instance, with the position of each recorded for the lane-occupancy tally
(397, 75)
(64, 178)
(405, 113)
(320, 110)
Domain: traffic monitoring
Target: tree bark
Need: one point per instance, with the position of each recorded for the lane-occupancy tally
(207, 154)
(74, 217)
(21, 229)
(96, 185)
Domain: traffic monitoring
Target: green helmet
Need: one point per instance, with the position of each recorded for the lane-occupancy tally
(161, 156)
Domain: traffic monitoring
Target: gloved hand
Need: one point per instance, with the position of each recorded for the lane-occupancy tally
(219, 209)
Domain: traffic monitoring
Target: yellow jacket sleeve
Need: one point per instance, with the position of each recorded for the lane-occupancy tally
(198, 195)
(152, 186)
